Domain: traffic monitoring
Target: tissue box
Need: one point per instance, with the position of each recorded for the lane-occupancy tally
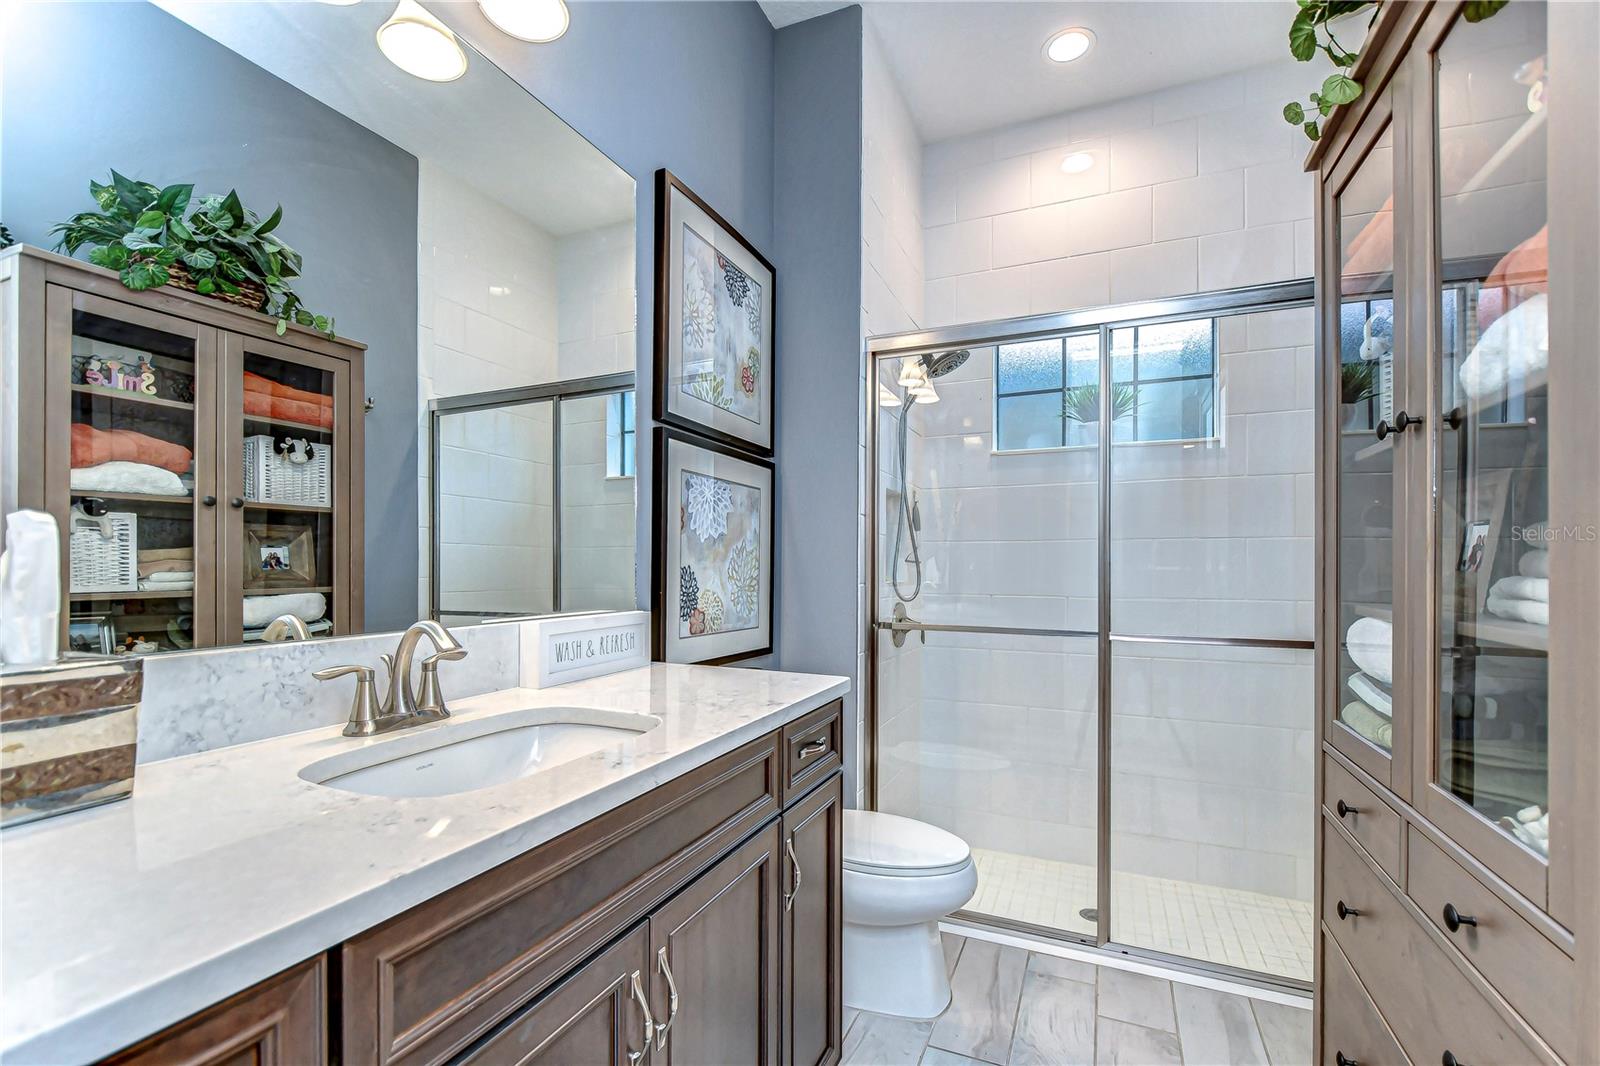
(68, 736)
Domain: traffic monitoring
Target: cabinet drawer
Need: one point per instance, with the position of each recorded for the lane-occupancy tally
(1514, 956)
(1375, 825)
(813, 747)
(1352, 1028)
(1430, 1005)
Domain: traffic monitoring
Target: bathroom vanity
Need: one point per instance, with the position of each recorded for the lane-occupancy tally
(671, 897)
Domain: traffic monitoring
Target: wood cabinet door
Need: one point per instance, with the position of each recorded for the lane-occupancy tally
(597, 1016)
(812, 926)
(714, 961)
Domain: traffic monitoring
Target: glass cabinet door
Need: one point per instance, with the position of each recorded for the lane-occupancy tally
(136, 505)
(1490, 749)
(1370, 423)
(287, 546)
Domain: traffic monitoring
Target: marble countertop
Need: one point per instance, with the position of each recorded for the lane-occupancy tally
(225, 867)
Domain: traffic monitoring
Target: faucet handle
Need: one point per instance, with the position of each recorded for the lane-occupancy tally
(430, 700)
(365, 710)
(449, 656)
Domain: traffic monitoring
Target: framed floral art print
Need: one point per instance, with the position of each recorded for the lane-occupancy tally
(713, 320)
(712, 601)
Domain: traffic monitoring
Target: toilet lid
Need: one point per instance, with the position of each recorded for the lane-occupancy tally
(889, 844)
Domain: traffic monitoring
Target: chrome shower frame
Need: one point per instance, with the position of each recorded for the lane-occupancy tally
(1248, 300)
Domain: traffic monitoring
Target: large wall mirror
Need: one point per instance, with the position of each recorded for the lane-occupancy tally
(445, 424)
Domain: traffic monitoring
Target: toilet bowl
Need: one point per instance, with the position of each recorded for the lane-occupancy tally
(900, 877)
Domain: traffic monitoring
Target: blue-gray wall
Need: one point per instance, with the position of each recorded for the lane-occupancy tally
(89, 87)
(817, 237)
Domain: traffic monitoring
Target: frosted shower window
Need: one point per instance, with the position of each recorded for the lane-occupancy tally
(1164, 381)
(1044, 392)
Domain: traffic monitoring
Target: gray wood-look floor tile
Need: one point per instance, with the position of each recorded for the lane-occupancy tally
(985, 990)
(847, 1019)
(1067, 969)
(879, 1040)
(1217, 1029)
(936, 1056)
(1137, 998)
(952, 950)
(1126, 1044)
(1286, 1031)
(1055, 1021)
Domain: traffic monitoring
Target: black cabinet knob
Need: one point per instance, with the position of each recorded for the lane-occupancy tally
(236, 503)
(1454, 920)
(1449, 1059)
(1402, 422)
(1346, 912)
(1455, 417)
(209, 501)
(1345, 810)
(1341, 1059)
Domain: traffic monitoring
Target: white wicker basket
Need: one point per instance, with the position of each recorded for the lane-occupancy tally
(102, 563)
(272, 478)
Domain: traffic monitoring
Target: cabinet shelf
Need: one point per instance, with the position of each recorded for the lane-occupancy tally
(176, 594)
(138, 398)
(297, 508)
(1508, 632)
(134, 497)
(286, 423)
(287, 590)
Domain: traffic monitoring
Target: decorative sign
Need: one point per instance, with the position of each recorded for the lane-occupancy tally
(558, 650)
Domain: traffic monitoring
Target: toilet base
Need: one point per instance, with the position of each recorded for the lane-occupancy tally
(895, 969)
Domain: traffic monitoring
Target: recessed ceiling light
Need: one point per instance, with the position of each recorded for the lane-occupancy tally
(536, 21)
(420, 44)
(1077, 163)
(1068, 45)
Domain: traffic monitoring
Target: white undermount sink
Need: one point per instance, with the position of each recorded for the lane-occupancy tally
(462, 756)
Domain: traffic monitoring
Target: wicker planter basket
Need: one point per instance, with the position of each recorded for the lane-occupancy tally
(251, 295)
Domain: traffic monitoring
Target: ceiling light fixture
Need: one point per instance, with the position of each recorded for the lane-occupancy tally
(420, 44)
(1068, 45)
(1077, 163)
(535, 21)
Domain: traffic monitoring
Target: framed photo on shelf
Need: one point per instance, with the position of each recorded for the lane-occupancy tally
(92, 633)
(713, 323)
(278, 556)
(711, 597)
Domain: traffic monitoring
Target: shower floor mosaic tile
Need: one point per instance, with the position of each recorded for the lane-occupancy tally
(1268, 934)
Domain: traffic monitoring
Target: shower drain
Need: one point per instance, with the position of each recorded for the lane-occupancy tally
(1089, 914)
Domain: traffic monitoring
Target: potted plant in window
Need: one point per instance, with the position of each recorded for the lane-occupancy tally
(212, 245)
(1081, 403)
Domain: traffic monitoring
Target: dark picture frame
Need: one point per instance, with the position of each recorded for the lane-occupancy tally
(690, 453)
(680, 215)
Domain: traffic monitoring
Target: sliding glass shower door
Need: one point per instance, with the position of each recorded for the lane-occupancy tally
(1092, 657)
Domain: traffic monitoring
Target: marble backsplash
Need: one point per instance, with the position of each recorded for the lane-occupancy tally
(196, 701)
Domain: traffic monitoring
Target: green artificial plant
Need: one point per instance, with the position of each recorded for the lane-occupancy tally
(1081, 403)
(1312, 32)
(143, 232)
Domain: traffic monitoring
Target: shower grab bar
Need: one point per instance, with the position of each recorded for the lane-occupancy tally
(912, 626)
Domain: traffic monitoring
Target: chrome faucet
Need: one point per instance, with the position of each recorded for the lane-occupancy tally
(400, 705)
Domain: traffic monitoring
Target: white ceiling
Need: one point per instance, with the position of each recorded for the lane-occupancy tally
(965, 66)
(484, 129)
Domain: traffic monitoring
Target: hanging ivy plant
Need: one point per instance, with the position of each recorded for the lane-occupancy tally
(1312, 32)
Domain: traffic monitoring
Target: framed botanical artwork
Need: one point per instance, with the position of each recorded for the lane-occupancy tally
(714, 302)
(712, 595)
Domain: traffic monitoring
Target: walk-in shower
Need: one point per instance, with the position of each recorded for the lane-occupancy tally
(1107, 690)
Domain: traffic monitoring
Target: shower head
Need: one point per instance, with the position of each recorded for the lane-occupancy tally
(940, 364)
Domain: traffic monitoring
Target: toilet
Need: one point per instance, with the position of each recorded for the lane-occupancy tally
(900, 877)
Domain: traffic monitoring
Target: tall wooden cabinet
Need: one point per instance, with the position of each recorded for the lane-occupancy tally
(199, 465)
(1458, 283)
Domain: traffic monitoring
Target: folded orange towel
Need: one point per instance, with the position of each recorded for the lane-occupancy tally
(1522, 272)
(91, 447)
(272, 399)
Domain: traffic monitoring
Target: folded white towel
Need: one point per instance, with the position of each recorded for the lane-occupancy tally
(126, 477)
(1520, 610)
(1522, 588)
(1534, 564)
(171, 577)
(306, 606)
(1370, 642)
(1515, 349)
(147, 585)
(1372, 694)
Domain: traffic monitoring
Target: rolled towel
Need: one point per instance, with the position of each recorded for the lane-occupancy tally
(1536, 589)
(1520, 610)
(126, 477)
(1368, 723)
(1372, 694)
(1514, 351)
(1370, 642)
(306, 606)
(92, 446)
(1534, 564)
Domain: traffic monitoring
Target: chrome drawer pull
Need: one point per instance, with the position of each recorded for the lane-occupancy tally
(1340, 1059)
(672, 1000)
(649, 1020)
(1454, 920)
(1345, 809)
(794, 864)
(816, 747)
(1346, 912)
